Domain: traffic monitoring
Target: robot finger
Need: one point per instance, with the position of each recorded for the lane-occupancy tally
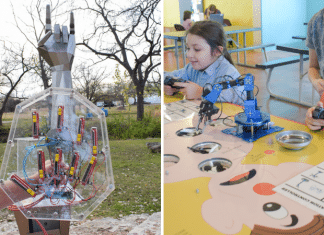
(48, 26)
(57, 33)
(44, 39)
(71, 45)
(65, 34)
(72, 31)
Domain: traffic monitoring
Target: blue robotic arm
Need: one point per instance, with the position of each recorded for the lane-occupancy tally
(251, 124)
(212, 92)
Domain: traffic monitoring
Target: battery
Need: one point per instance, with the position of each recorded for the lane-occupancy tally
(74, 164)
(57, 161)
(94, 138)
(80, 130)
(35, 127)
(60, 116)
(41, 164)
(22, 184)
(89, 170)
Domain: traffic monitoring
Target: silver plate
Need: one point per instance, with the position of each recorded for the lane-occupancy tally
(294, 139)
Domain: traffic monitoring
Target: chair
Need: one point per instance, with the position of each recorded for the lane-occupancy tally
(179, 27)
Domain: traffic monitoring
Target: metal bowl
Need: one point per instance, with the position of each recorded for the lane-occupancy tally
(189, 132)
(205, 147)
(294, 139)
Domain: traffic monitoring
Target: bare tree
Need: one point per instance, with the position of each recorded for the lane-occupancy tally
(89, 81)
(14, 66)
(131, 36)
(154, 84)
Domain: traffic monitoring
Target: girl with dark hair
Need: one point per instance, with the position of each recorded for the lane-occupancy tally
(187, 20)
(209, 63)
(211, 10)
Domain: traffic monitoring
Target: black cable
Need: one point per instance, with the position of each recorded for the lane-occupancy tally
(228, 119)
(257, 91)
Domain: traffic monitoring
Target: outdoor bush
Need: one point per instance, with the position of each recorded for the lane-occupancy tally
(121, 127)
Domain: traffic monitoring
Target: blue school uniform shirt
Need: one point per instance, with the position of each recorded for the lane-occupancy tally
(315, 38)
(214, 74)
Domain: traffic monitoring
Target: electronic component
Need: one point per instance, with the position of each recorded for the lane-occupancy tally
(89, 170)
(41, 164)
(60, 116)
(35, 127)
(318, 113)
(94, 138)
(74, 164)
(57, 161)
(80, 130)
(170, 81)
(19, 181)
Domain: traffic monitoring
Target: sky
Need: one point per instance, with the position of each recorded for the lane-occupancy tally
(10, 33)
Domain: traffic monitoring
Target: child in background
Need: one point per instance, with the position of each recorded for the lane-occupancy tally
(209, 63)
(187, 20)
(211, 10)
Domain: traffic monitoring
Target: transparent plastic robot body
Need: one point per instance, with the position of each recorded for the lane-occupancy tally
(56, 156)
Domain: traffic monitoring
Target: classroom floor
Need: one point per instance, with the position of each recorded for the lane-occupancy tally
(284, 81)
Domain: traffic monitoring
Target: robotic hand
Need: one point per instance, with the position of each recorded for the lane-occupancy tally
(58, 49)
(211, 94)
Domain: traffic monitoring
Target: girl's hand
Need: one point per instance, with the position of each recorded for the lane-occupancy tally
(314, 124)
(190, 89)
(168, 90)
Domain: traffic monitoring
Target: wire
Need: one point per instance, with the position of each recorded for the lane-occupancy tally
(257, 91)
(40, 225)
(228, 119)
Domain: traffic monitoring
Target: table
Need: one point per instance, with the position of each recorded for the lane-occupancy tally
(181, 36)
(178, 36)
(195, 202)
(300, 48)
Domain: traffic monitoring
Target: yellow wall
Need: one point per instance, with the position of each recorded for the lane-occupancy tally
(239, 12)
(171, 13)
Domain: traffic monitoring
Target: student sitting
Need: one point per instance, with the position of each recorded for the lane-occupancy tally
(209, 63)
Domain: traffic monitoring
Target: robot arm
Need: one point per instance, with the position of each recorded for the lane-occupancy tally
(212, 92)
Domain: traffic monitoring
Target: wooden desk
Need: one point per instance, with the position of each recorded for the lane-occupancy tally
(195, 202)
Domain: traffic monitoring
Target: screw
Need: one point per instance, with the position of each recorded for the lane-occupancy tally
(315, 175)
(197, 190)
(303, 180)
(110, 186)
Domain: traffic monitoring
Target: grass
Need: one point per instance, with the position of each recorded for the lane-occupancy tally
(137, 174)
